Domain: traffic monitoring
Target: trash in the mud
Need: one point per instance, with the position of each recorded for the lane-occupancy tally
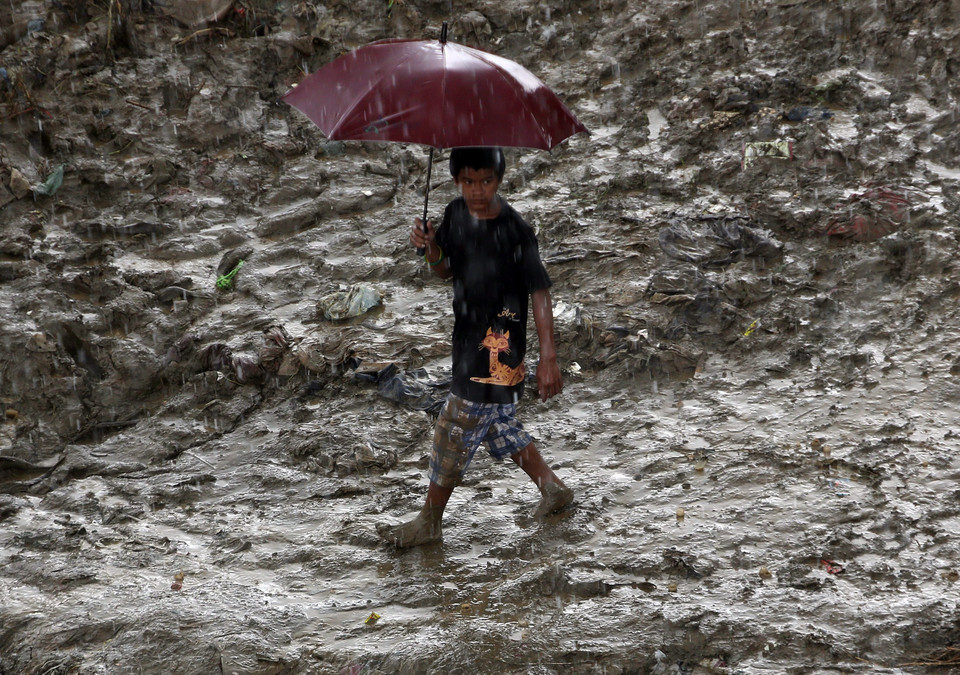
(752, 151)
(804, 112)
(681, 514)
(372, 619)
(765, 573)
(751, 328)
(407, 389)
(672, 586)
(831, 567)
(53, 182)
(869, 215)
(717, 241)
(225, 281)
(177, 581)
(354, 301)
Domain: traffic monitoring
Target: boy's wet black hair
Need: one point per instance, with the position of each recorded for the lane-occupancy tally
(476, 159)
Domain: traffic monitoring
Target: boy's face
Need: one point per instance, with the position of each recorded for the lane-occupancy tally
(479, 190)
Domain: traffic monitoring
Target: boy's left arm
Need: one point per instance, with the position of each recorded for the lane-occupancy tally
(549, 381)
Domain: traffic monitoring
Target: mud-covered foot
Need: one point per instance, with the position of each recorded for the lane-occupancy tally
(555, 498)
(420, 530)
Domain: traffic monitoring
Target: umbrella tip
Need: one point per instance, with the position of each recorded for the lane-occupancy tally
(443, 33)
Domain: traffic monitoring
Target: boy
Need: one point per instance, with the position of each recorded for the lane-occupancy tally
(491, 254)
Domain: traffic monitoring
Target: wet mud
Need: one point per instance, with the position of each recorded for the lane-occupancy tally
(754, 257)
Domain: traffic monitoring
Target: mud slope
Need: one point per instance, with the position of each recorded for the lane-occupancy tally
(756, 288)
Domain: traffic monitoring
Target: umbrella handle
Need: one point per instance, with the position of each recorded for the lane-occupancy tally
(426, 199)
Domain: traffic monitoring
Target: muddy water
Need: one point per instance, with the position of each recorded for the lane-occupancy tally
(760, 358)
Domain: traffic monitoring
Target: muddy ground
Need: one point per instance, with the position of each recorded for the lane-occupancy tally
(760, 352)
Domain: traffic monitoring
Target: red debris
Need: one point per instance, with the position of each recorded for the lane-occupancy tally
(831, 566)
(869, 215)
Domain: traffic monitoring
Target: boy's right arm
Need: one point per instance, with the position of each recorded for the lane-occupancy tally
(426, 238)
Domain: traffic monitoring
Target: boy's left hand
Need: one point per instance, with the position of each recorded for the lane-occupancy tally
(549, 381)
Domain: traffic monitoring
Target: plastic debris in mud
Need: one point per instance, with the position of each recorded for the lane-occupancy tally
(177, 581)
(412, 390)
(53, 183)
(764, 573)
(354, 301)
(372, 619)
(869, 215)
(225, 281)
(713, 242)
(752, 151)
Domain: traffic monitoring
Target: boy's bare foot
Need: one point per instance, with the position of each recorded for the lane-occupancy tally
(556, 497)
(420, 530)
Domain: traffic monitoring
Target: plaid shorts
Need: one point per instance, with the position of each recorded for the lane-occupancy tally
(463, 425)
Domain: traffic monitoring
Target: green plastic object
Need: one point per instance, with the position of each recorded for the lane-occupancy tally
(225, 281)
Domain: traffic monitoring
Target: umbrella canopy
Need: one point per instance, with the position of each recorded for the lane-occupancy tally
(435, 93)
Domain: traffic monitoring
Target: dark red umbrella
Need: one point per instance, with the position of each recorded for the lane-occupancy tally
(434, 93)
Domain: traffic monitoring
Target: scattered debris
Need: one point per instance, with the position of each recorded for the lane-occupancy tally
(53, 182)
(754, 150)
(869, 215)
(354, 301)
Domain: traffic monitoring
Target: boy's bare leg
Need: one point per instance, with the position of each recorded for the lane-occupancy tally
(555, 495)
(423, 529)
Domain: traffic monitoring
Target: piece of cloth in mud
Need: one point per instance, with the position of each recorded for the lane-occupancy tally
(409, 389)
(463, 426)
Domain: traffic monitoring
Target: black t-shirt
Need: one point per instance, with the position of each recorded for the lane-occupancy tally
(496, 266)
